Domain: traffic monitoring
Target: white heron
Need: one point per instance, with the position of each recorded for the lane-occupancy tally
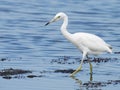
(88, 44)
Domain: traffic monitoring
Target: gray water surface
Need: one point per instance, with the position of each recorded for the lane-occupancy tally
(28, 44)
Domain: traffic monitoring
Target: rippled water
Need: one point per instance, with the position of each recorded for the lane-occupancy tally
(28, 44)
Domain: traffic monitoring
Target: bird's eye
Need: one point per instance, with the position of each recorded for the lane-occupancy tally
(58, 16)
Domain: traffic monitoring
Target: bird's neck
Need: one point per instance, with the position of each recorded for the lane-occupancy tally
(65, 22)
(64, 31)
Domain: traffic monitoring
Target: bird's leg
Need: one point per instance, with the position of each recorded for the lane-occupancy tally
(90, 67)
(89, 64)
(80, 67)
(77, 70)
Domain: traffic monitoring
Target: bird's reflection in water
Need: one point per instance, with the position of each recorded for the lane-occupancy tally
(80, 82)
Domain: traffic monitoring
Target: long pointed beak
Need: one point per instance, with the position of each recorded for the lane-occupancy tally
(47, 23)
(53, 20)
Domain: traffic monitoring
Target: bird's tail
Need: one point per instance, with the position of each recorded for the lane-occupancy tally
(109, 48)
(110, 51)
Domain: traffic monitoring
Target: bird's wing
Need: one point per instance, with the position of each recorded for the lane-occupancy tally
(90, 41)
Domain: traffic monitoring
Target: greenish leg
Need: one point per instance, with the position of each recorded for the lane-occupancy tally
(80, 67)
(77, 70)
(90, 67)
(91, 78)
(89, 64)
(90, 71)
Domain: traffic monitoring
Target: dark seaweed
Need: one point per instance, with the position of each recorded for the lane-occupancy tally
(32, 76)
(64, 71)
(72, 60)
(11, 71)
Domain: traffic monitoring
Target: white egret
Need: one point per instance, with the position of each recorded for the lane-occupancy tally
(88, 44)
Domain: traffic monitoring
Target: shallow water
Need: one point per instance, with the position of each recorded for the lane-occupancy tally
(28, 44)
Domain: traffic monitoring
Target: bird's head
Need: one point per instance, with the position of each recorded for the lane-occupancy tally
(57, 17)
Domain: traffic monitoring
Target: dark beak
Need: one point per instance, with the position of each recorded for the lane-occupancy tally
(47, 23)
(53, 20)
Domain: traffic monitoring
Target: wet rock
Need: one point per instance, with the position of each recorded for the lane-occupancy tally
(11, 71)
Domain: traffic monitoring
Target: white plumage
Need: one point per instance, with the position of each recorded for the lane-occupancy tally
(87, 43)
(90, 42)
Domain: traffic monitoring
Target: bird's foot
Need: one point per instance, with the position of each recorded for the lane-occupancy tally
(71, 75)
